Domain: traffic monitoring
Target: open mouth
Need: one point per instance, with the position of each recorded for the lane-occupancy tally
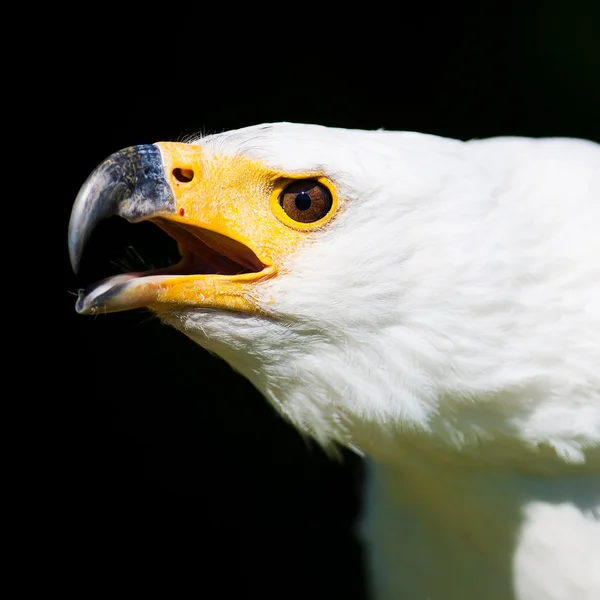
(204, 255)
(144, 184)
(205, 252)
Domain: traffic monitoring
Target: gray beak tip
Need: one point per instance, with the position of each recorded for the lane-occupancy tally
(129, 183)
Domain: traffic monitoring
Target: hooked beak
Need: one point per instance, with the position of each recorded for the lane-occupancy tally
(163, 183)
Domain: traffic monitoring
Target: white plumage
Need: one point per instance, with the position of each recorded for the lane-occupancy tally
(446, 324)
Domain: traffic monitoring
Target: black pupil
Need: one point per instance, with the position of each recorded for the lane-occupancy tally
(302, 201)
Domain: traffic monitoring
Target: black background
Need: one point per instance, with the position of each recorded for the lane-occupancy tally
(179, 476)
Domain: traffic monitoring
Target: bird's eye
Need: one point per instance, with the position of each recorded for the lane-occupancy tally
(306, 201)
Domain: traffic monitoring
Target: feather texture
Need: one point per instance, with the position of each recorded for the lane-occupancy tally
(445, 324)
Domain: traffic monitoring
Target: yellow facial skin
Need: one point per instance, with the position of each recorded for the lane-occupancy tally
(237, 198)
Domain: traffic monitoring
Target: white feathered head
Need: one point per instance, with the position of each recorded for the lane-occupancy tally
(376, 286)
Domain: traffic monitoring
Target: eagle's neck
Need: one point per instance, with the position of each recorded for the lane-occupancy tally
(446, 532)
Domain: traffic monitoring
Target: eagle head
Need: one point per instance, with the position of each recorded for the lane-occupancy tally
(372, 285)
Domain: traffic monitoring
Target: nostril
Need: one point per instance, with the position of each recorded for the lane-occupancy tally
(183, 175)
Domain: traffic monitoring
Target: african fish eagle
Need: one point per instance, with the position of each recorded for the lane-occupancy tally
(432, 304)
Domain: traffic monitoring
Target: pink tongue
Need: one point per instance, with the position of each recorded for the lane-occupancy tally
(230, 249)
(207, 252)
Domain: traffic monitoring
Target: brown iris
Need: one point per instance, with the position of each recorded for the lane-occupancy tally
(306, 201)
